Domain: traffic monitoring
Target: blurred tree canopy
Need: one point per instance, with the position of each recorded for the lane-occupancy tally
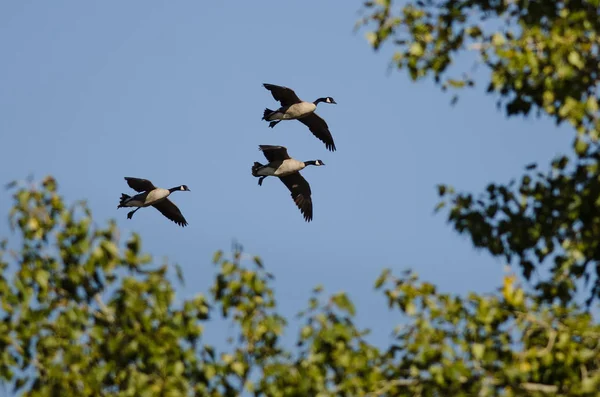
(84, 312)
(542, 56)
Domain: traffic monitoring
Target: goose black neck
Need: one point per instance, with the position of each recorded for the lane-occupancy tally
(174, 189)
(310, 162)
(319, 100)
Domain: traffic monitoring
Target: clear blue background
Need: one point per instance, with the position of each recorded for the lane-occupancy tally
(91, 92)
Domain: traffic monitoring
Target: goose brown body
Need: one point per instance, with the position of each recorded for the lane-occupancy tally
(156, 197)
(287, 169)
(293, 108)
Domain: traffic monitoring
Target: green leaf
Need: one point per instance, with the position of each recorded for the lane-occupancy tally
(456, 83)
(238, 368)
(342, 302)
(42, 277)
(592, 105)
(416, 49)
(410, 308)
(575, 59)
(217, 257)
(439, 206)
(179, 272)
(498, 39)
(382, 278)
(306, 332)
(581, 147)
(478, 350)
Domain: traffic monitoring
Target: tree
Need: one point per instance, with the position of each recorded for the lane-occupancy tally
(83, 315)
(542, 56)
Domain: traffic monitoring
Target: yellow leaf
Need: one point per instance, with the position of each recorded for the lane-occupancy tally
(416, 49)
(525, 367)
(238, 368)
(371, 38)
(508, 288)
(498, 39)
(227, 358)
(575, 60)
(478, 350)
(592, 104)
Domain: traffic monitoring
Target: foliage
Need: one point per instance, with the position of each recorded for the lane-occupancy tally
(547, 218)
(543, 56)
(81, 315)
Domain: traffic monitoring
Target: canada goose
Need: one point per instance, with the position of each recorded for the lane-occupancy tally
(293, 108)
(151, 195)
(287, 170)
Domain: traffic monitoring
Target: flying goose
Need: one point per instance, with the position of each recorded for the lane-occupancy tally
(287, 170)
(151, 195)
(293, 108)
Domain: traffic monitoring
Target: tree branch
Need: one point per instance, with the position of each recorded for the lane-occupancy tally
(104, 309)
(389, 385)
(538, 387)
(526, 386)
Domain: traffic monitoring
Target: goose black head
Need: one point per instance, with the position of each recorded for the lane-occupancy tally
(184, 188)
(327, 99)
(316, 163)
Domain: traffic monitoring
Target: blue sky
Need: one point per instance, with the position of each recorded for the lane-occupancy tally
(91, 92)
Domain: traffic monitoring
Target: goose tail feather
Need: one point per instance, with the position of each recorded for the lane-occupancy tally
(123, 200)
(255, 167)
(267, 113)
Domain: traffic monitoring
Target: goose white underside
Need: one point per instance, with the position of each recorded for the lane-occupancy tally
(278, 116)
(294, 112)
(266, 171)
(278, 172)
(133, 203)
